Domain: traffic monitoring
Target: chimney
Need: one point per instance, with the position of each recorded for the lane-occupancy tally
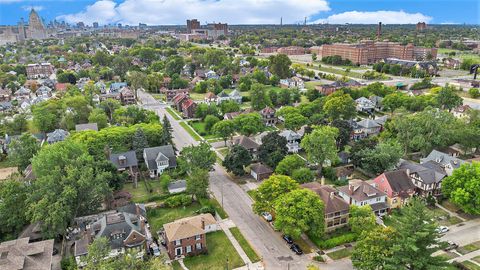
(203, 224)
(351, 188)
(332, 194)
(379, 30)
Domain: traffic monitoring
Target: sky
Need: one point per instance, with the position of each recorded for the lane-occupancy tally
(175, 12)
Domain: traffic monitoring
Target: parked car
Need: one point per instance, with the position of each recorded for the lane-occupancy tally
(55, 251)
(287, 239)
(295, 248)
(267, 216)
(442, 229)
(451, 245)
(155, 250)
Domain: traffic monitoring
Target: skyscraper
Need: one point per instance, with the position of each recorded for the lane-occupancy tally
(36, 28)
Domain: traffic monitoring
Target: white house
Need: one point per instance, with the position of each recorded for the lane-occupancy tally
(360, 193)
(293, 140)
(159, 158)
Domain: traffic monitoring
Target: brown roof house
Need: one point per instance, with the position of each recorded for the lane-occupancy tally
(247, 143)
(188, 108)
(361, 193)
(19, 254)
(268, 116)
(336, 209)
(178, 101)
(187, 236)
(127, 96)
(259, 171)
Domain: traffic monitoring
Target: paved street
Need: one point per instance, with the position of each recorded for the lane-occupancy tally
(464, 234)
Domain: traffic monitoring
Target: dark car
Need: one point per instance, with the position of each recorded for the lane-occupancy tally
(287, 239)
(55, 251)
(295, 248)
(451, 245)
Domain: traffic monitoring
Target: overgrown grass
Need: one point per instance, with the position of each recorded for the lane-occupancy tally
(212, 202)
(6, 163)
(336, 238)
(341, 253)
(252, 255)
(173, 114)
(176, 265)
(221, 255)
(190, 131)
(142, 193)
(470, 265)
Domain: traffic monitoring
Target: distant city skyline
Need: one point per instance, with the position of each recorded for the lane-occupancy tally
(175, 12)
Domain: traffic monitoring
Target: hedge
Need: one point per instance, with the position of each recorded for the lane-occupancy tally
(178, 200)
(335, 241)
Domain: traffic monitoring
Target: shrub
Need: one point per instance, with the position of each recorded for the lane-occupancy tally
(319, 258)
(206, 209)
(68, 263)
(474, 92)
(165, 180)
(338, 240)
(178, 200)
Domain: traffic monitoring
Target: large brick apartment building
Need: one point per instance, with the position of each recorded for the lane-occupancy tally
(369, 52)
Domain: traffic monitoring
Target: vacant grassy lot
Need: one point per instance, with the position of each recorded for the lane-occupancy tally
(159, 216)
(199, 127)
(341, 253)
(221, 255)
(252, 255)
(142, 193)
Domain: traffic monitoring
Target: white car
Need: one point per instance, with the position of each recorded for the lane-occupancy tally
(267, 216)
(442, 229)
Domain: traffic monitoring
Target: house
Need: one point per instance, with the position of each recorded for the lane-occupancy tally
(336, 209)
(294, 82)
(360, 193)
(187, 236)
(44, 91)
(210, 98)
(452, 63)
(171, 93)
(230, 116)
(234, 95)
(101, 87)
(6, 106)
(211, 75)
(259, 171)
(88, 126)
(111, 95)
(364, 104)
(188, 108)
(293, 140)
(247, 143)
(377, 102)
(427, 181)
(124, 228)
(442, 162)
(39, 70)
(177, 186)
(20, 254)
(127, 96)
(5, 94)
(57, 135)
(126, 162)
(61, 87)
(397, 185)
(268, 116)
(364, 128)
(327, 89)
(428, 66)
(178, 101)
(117, 86)
(22, 93)
(159, 158)
(461, 111)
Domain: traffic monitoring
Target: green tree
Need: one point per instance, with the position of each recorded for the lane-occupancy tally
(210, 121)
(271, 189)
(46, 115)
(237, 158)
(448, 99)
(303, 175)
(259, 96)
(273, 149)
(463, 187)
(339, 106)
(109, 106)
(295, 121)
(249, 123)
(320, 145)
(229, 106)
(98, 116)
(200, 156)
(139, 142)
(344, 132)
(224, 129)
(197, 183)
(300, 211)
(362, 219)
(372, 249)
(383, 157)
(98, 250)
(174, 65)
(289, 164)
(23, 149)
(166, 135)
(13, 195)
(280, 65)
(474, 92)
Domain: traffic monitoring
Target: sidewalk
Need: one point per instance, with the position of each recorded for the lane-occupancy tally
(226, 224)
(450, 212)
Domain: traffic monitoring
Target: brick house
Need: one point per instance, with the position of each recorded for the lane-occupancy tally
(188, 108)
(259, 171)
(336, 209)
(39, 71)
(397, 185)
(268, 116)
(187, 236)
(178, 101)
(127, 96)
(171, 93)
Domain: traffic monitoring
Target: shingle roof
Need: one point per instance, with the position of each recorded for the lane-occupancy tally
(19, 254)
(442, 158)
(130, 159)
(399, 180)
(426, 173)
(246, 142)
(152, 153)
(188, 227)
(57, 135)
(259, 168)
(361, 190)
(368, 123)
(333, 203)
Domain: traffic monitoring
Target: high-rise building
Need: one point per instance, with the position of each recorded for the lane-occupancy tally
(36, 28)
(220, 27)
(421, 26)
(192, 25)
(95, 25)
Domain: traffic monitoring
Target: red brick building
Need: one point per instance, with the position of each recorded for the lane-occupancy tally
(292, 50)
(192, 24)
(188, 108)
(39, 71)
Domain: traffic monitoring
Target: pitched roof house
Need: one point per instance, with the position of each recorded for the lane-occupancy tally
(178, 101)
(188, 108)
(19, 254)
(293, 140)
(57, 135)
(427, 180)
(159, 159)
(397, 185)
(442, 161)
(360, 193)
(268, 116)
(128, 162)
(187, 236)
(336, 209)
(259, 171)
(247, 143)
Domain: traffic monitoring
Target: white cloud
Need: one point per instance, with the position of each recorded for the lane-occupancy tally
(37, 8)
(178, 11)
(373, 17)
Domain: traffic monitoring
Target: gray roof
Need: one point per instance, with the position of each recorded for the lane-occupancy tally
(259, 168)
(130, 159)
(89, 126)
(57, 135)
(290, 135)
(424, 171)
(361, 191)
(399, 181)
(152, 153)
(442, 159)
(368, 123)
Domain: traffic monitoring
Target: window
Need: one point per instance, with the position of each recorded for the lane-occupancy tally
(189, 249)
(378, 199)
(198, 246)
(178, 242)
(198, 237)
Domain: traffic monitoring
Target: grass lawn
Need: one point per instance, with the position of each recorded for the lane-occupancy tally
(341, 253)
(312, 84)
(470, 265)
(469, 248)
(190, 131)
(250, 193)
(159, 216)
(224, 151)
(173, 114)
(158, 96)
(252, 255)
(444, 218)
(339, 72)
(219, 251)
(448, 255)
(141, 193)
(6, 163)
(212, 202)
(197, 96)
(176, 265)
(199, 127)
